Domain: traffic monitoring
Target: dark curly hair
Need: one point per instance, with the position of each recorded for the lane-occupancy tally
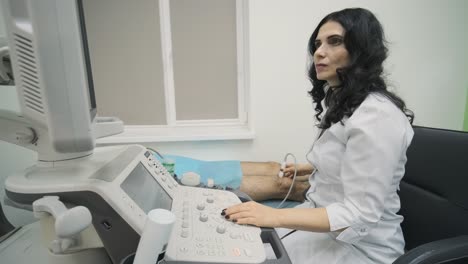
(365, 42)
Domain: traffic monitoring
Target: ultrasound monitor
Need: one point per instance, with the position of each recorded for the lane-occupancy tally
(51, 64)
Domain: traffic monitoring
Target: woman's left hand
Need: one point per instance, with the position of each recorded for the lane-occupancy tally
(252, 213)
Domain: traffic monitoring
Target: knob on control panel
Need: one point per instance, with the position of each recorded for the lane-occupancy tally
(203, 217)
(221, 229)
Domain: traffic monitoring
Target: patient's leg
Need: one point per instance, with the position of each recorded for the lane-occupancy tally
(270, 168)
(261, 188)
(261, 182)
(260, 168)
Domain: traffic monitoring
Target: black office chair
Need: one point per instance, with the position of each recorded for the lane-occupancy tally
(434, 198)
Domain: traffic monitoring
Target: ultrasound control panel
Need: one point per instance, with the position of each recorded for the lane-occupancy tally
(121, 184)
(200, 233)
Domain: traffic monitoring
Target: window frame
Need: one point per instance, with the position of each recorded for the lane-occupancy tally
(203, 129)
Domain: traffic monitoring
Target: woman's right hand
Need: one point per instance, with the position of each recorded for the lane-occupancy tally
(302, 169)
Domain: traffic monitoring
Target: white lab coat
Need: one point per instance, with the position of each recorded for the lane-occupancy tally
(359, 168)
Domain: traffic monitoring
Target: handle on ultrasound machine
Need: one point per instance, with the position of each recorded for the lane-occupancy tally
(270, 236)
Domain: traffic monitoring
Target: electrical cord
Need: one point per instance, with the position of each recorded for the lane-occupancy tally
(155, 151)
(289, 233)
(294, 177)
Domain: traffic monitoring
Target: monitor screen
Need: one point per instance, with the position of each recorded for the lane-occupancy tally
(145, 191)
(87, 59)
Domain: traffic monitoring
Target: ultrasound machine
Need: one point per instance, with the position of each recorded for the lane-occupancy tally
(93, 202)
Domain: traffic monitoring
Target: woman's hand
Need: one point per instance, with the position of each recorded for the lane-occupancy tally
(252, 213)
(303, 169)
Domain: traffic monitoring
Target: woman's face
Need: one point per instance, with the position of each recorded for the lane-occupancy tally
(330, 53)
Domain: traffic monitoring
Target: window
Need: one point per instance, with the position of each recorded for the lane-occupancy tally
(171, 70)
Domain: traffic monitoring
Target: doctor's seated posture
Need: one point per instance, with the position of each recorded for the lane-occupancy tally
(357, 161)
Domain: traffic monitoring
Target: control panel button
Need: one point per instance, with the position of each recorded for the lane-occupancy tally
(234, 235)
(184, 233)
(248, 237)
(184, 249)
(248, 252)
(203, 217)
(201, 206)
(221, 229)
(210, 199)
(236, 252)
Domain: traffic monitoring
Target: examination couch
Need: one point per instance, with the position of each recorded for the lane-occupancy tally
(434, 198)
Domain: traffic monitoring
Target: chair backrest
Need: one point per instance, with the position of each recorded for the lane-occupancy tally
(434, 190)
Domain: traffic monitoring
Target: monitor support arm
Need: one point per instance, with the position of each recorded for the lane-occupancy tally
(17, 130)
(107, 126)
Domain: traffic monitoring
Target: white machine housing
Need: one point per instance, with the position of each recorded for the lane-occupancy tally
(51, 65)
(120, 184)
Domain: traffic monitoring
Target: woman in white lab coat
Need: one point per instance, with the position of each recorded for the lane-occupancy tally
(358, 159)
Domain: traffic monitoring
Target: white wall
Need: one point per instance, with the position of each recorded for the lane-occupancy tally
(2, 26)
(428, 67)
